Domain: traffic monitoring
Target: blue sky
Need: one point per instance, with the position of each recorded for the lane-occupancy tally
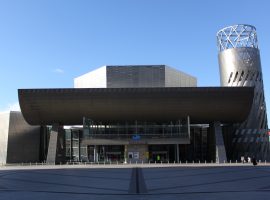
(45, 44)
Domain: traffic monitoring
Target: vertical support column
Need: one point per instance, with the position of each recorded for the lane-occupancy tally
(95, 153)
(177, 152)
(220, 148)
(56, 146)
(79, 145)
(188, 126)
(51, 155)
(71, 145)
(125, 154)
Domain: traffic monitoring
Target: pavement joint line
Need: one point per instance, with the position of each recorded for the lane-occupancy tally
(137, 183)
(134, 194)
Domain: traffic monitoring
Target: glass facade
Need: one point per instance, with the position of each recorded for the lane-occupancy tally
(136, 130)
(95, 142)
(74, 151)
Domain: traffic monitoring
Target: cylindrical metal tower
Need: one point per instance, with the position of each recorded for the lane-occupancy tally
(240, 65)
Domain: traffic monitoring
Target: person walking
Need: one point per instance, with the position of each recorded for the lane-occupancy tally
(158, 158)
(254, 161)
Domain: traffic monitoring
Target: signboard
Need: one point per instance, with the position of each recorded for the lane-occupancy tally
(136, 155)
(136, 137)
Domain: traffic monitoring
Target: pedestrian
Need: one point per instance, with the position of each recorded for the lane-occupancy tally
(158, 158)
(242, 159)
(254, 161)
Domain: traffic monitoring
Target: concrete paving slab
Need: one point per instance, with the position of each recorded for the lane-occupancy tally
(162, 182)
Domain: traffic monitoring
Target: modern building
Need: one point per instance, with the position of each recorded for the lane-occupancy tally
(146, 113)
(240, 66)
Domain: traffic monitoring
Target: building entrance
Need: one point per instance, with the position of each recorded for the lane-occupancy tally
(105, 153)
(160, 153)
(160, 156)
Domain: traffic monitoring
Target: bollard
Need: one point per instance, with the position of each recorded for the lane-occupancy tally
(265, 162)
(199, 161)
(186, 161)
(117, 162)
(230, 161)
(180, 162)
(174, 162)
(205, 162)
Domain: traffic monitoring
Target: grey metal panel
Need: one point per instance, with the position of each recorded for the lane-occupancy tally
(4, 127)
(69, 106)
(23, 140)
(242, 67)
(93, 79)
(176, 78)
(135, 76)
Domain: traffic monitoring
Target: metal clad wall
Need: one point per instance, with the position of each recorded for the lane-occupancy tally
(242, 67)
(135, 76)
(23, 140)
(175, 78)
(4, 126)
(93, 79)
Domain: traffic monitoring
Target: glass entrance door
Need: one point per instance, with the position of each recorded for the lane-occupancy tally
(159, 156)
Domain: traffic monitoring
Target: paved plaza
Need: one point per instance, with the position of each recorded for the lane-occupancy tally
(239, 181)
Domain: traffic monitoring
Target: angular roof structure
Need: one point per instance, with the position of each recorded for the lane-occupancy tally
(69, 106)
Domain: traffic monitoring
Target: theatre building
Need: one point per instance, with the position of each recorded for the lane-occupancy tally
(144, 113)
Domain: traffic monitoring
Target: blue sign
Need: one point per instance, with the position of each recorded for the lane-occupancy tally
(136, 137)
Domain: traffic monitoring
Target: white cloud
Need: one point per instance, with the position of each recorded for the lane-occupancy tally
(12, 107)
(58, 71)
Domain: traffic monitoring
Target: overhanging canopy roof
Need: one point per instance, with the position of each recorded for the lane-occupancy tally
(69, 106)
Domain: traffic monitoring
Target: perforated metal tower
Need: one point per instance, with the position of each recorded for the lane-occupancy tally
(240, 65)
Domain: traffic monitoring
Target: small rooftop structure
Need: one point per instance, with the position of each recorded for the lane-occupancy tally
(135, 76)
